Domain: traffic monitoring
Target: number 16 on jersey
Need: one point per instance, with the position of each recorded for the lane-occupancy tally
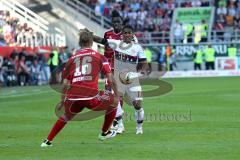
(83, 66)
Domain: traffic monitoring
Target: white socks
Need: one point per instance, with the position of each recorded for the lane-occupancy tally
(119, 114)
(139, 116)
(119, 110)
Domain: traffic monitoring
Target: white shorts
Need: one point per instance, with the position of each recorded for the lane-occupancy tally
(131, 91)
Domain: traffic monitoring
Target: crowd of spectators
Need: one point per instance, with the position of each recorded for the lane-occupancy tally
(24, 68)
(227, 18)
(143, 15)
(21, 67)
(13, 32)
(146, 17)
(196, 3)
(151, 19)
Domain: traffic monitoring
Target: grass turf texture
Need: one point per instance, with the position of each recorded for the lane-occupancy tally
(206, 127)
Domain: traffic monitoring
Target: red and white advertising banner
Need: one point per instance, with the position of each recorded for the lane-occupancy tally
(226, 63)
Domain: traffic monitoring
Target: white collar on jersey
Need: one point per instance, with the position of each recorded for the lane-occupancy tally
(85, 48)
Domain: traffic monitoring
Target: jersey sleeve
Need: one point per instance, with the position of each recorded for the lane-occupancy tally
(140, 53)
(105, 66)
(135, 40)
(113, 43)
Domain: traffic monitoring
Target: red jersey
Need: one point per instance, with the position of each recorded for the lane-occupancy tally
(82, 70)
(109, 52)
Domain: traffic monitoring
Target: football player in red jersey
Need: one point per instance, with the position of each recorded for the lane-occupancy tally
(114, 33)
(80, 88)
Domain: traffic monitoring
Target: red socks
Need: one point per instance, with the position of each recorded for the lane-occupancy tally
(58, 126)
(109, 117)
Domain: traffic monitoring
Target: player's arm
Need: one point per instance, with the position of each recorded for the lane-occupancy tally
(108, 74)
(142, 65)
(66, 76)
(96, 38)
(100, 40)
(113, 83)
(112, 43)
(103, 41)
(64, 89)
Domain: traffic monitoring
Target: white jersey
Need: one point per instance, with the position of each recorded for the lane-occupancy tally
(126, 57)
(131, 52)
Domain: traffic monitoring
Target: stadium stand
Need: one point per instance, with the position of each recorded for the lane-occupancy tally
(188, 26)
(227, 21)
(11, 29)
(176, 34)
(26, 42)
(153, 19)
(22, 27)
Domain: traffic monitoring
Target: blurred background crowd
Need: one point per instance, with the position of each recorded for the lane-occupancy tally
(161, 36)
(24, 68)
(13, 32)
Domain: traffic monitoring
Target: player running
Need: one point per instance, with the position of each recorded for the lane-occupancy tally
(80, 88)
(115, 33)
(130, 56)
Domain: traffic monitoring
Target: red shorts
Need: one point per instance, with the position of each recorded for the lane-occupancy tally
(100, 103)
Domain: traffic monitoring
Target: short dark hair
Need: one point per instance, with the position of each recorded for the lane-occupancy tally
(127, 26)
(116, 14)
(126, 21)
(85, 38)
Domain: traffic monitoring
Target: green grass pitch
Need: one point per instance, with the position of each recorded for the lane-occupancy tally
(198, 120)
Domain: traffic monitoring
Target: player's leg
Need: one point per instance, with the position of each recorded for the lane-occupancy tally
(119, 109)
(109, 103)
(108, 120)
(57, 127)
(118, 121)
(134, 95)
(119, 115)
(71, 108)
(139, 116)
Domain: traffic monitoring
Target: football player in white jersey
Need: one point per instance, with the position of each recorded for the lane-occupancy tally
(130, 57)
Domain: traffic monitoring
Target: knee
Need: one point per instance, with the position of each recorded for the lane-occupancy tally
(65, 118)
(137, 104)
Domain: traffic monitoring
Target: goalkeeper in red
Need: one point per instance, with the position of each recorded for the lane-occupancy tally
(80, 89)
